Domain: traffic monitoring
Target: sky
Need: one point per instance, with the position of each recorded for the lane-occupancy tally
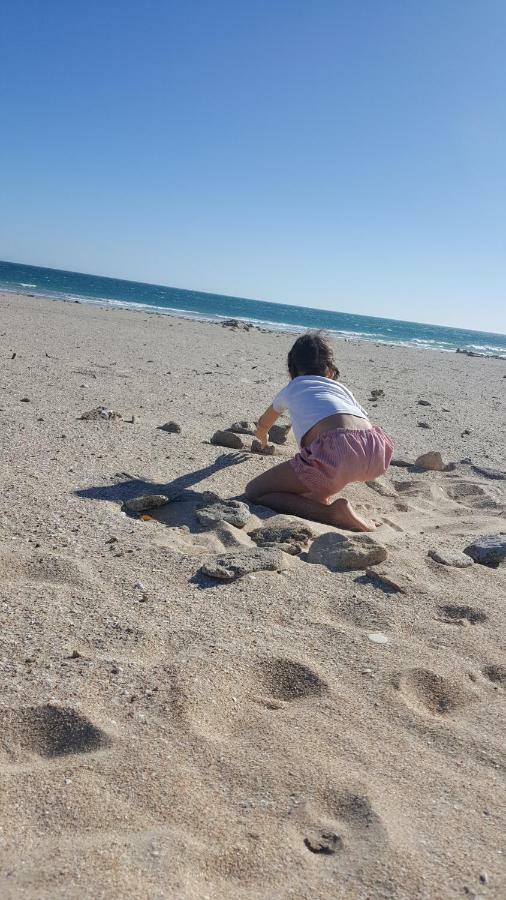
(347, 155)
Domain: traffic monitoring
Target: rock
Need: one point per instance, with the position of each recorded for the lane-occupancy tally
(401, 463)
(423, 425)
(236, 324)
(268, 450)
(394, 580)
(101, 412)
(326, 842)
(170, 427)
(382, 487)
(454, 558)
(243, 427)
(377, 637)
(431, 461)
(424, 403)
(227, 439)
(489, 550)
(235, 564)
(340, 553)
(377, 392)
(292, 549)
(465, 432)
(25, 400)
(493, 474)
(278, 434)
(280, 530)
(232, 511)
(144, 502)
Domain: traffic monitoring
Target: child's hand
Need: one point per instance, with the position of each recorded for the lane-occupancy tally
(261, 436)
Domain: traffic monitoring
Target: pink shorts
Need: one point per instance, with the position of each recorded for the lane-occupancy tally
(341, 456)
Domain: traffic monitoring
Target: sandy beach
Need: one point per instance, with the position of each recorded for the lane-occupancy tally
(295, 733)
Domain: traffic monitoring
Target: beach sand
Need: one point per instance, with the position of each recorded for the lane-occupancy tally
(167, 735)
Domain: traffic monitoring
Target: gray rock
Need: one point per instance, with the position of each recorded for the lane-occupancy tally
(341, 553)
(423, 425)
(243, 427)
(489, 550)
(377, 392)
(232, 511)
(401, 463)
(171, 427)
(268, 450)
(281, 531)
(424, 403)
(235, 564)
(432, 461)
(227, 439)
(144, 502)
(454, 558)
(278, 434)
(494, 474)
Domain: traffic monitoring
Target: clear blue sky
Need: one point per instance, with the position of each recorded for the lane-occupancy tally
(347, 154)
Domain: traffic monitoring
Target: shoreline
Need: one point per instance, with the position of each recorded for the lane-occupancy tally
(259, 325)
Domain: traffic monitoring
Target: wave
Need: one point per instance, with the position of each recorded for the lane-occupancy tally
(24, 284)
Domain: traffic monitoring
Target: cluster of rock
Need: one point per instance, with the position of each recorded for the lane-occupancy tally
(237, 437)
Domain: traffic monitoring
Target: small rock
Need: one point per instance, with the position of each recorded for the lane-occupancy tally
(139, 586)
(227, 439)
(232, 511)
(145, 502)
(377, 637)
(453, 558)
(431, 461)
(268, 450)
(326, 842)
(340, 553)
(25, 400)
(243, 427)
(229, 566)
(377, 392)
(278, 434)
(280, 530)
(401, 463)
(465, 432)
(484, 878)
(489, 550)
(423, 425)
(75, 654)
(170, 427)
(394, 580)
(424, 403)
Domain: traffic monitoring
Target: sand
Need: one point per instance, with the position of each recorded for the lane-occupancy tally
(164, 735)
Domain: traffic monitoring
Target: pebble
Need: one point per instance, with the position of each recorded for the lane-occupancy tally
(139, 586)
(378, 638)
(432, 461)
(484, 878)
(489, 550)
(170, 427)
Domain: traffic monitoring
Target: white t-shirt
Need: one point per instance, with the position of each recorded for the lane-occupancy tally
(311, 398)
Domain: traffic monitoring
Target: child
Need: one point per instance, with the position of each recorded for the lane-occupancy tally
(338, 444)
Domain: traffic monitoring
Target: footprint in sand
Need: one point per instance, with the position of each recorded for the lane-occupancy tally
(287, 680)
(426, 692)
(460, 615)
(48, 731)
(496, 674)
(471, 495)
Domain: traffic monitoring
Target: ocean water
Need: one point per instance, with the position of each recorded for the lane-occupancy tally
(58, 284)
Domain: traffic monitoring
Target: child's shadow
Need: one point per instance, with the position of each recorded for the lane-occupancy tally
(180, 489)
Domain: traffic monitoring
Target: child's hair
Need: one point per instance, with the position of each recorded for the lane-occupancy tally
(312, 354)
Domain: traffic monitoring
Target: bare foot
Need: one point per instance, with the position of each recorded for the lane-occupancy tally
(344, 516)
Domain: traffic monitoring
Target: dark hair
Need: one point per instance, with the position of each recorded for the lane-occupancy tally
(312, 354)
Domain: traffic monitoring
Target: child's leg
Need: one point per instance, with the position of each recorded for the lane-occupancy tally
(281, 490)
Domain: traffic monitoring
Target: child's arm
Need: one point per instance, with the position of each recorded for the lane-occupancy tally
(265, 422)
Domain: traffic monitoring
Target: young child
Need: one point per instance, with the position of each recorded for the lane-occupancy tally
(337, 443)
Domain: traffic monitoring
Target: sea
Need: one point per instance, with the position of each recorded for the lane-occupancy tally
(57, 284)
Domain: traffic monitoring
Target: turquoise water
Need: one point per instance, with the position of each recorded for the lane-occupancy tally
(55, 283)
